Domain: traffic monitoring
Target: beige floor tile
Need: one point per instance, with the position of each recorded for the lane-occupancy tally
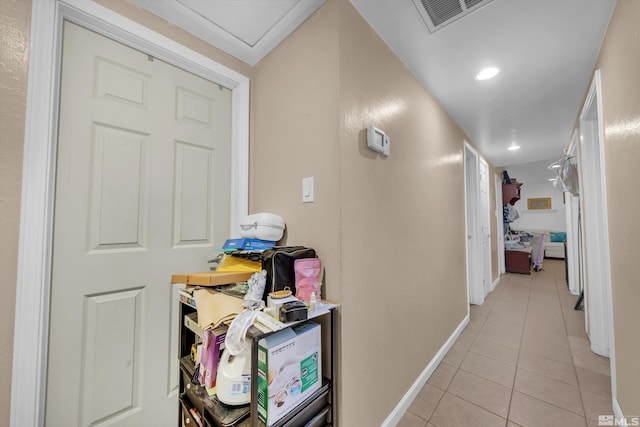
(517, 288)
(596, 404)
(541, 322)
(512, 302)
(466, 339)
(557, 393)
(574, 329)
(545, 308)
(549, 342)
(455, 412)
(516, 297)
(568, 301)
(455, 355)
(576, 315)
(528, 411)
(544, 300)
(546, 349)
(477, 321)
(490, 369)
(481, 392)
(587, 359)
(495, 350)
(560, 371)
(472, 328)
(479, 312)
(552, 336)
(594, 382)
(470, 332)
(544, 290)
(499, 321)
(511, 306)
(505, 329)
(411, 420)
(442, 376)
(545, 305)
(426, 401)
(510, 338)
(592, 423)
(579, 343)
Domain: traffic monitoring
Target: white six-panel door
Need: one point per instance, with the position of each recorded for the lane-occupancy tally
(142, 192)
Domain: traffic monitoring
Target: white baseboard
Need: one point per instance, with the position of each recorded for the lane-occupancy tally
(495, 283)
(398, 412)
(617, 410)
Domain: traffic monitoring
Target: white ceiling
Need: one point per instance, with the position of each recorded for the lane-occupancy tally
(246, 29)
(546, 50)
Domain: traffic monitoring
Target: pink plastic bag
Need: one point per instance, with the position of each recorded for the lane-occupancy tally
(308, 277)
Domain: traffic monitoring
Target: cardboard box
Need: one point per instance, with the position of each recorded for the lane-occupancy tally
(289, 370)
(212, 347)
(212, 278)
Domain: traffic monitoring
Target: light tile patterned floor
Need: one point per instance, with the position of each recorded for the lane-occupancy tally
(523, 360)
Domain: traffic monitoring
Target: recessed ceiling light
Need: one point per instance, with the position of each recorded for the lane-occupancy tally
(488, 73)
(552, 179)
(513, 147)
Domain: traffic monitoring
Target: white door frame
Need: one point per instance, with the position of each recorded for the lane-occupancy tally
(594, 200)
(499, 228)
(475, 292)
(596, 231)
(38, 180)
(485, 226)
(573, 237)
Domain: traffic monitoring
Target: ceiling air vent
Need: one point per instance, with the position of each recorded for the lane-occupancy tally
(438, 13)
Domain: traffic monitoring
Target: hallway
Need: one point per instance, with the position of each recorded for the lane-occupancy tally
(524, 357)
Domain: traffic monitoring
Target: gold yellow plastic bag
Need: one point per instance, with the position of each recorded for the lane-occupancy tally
(233, 263)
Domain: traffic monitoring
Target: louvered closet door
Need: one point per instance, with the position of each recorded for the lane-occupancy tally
(142, 191)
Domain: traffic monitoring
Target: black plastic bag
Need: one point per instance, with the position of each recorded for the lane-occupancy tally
(278, 262)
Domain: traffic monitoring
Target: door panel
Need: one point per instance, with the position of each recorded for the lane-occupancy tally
(118, 188)
(142, 192)
(485, 226)
(119, 83)
(112, 354)
(194, 191)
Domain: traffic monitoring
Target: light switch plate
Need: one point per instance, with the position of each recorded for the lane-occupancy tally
(307, 190)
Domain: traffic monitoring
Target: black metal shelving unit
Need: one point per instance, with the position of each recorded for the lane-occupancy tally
(319, 409)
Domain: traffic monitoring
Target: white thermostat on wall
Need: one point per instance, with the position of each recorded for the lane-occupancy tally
(378, 141)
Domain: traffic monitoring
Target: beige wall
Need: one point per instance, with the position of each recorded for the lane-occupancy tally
(619, 62)
(391, 231)
(403, 244)
(295, 115)
(15, 17)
